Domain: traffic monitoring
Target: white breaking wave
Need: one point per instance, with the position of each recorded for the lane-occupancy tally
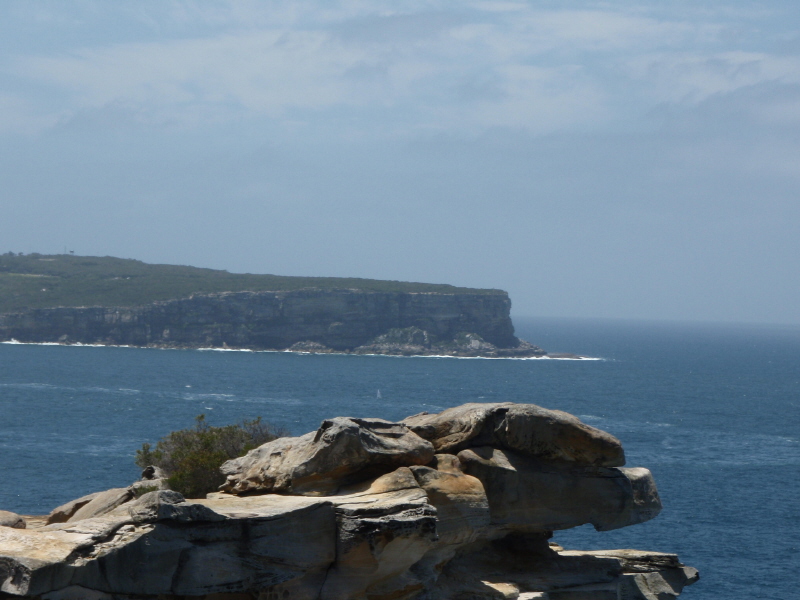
(305, 352)
(577, 358)
(14, 342)
(227, 350)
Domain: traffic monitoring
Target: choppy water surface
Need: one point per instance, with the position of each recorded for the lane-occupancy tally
(713, 411)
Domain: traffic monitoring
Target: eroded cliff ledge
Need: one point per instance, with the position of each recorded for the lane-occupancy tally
(312, 320)
(458, 505)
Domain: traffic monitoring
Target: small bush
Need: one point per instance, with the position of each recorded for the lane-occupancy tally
(191, 457)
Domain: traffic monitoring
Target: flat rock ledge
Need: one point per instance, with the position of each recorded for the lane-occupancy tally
(459, 505)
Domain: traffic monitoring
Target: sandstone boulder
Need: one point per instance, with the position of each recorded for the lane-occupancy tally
(13, 520)
(340, 452)
(101, 503)
(529, 494)
(64, 513)
(524, 428)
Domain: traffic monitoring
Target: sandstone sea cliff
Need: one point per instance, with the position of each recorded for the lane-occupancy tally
(311, 320)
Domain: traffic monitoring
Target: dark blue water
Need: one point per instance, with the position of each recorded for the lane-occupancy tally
(713, 411)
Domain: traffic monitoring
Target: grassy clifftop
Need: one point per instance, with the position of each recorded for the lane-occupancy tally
(44, 281)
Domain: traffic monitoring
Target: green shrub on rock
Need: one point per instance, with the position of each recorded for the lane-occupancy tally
(191, 457)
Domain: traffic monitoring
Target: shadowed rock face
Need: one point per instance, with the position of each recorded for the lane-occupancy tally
(526, 492)
(365, 510)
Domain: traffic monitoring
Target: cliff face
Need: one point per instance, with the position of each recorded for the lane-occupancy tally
(335, 319)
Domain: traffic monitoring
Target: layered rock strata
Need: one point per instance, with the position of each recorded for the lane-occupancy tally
(455, 506)
(310, 320)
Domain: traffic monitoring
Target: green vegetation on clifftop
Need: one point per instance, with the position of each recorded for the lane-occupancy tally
(45, 281)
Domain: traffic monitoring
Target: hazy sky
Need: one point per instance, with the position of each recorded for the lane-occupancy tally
(595, 159)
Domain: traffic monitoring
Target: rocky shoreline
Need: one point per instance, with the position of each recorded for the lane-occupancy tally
(307, 320)
(526, 350)
(459, 505)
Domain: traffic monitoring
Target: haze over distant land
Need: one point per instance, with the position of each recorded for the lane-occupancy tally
(616, 159)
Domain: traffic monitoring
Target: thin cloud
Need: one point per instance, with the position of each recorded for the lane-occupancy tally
(692, 78)
(607, 31)
(433, 67)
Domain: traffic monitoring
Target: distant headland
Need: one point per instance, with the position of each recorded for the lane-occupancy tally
(105, 300)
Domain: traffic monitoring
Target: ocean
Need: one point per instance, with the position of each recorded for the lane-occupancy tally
(712, 410)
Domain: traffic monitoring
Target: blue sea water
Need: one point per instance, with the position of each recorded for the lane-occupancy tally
(712, 410)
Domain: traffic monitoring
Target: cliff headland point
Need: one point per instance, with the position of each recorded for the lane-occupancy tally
(113, 301)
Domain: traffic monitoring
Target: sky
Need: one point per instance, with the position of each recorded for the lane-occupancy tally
(634, 159)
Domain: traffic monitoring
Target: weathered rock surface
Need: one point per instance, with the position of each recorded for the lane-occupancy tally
(413, 341)
(525, 428)
(315, 320)
(102, 503)
(381, 532)
(366, 511)
(13, 520)
(63, 513)
(160, 544)
(525, 567)
(340, 452)
(528, 494)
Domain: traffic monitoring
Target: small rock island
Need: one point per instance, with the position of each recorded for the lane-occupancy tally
(104, 300)
(459, 505)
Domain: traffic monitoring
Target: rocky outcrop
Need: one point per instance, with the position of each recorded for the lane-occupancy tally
(100, 503)
(315, 320)
(367, 511)
(526, 428)
(413, 341)
(319, 463)
(523, 492)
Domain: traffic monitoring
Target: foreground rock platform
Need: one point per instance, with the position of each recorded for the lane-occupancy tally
(455, 506)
